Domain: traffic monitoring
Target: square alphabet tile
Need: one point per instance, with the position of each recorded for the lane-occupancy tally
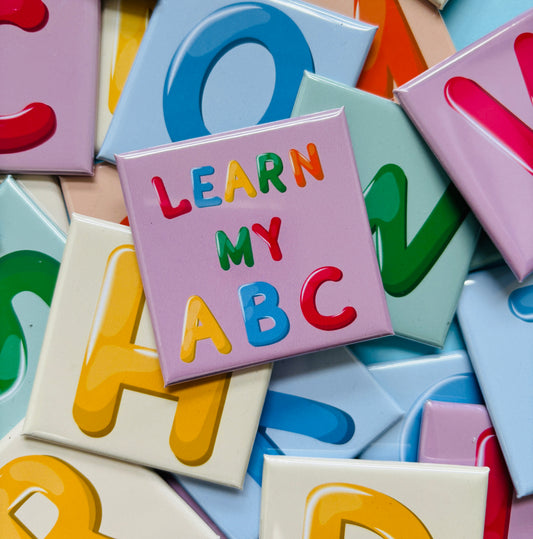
(46, 193)
(424, 232)
(31, 248)
(265, 271)
(445, 377)
(324, 404)
(52, 491)
(410, 37)
(123, 25)
(476, 114)
(495, 317)
(327, 498)
(454, 433)
(49, 66)
(99, 386)
(99, 195)
(217, 65)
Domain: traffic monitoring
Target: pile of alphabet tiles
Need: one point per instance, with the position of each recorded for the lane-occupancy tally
(266, 269)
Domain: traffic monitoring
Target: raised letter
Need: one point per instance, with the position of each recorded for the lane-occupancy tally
(237, 179)
(404, 266)
(271, 174)
(308, 301)
(253, 313)
(331, 506)
(312, 165)
(494, 121)
(394, 57)
(226, 249)
(169, 211)
(113, 363)
(74, 496)
(35, 123)
(201, 324)
(270, 237)
(20, 271)
(199, 188)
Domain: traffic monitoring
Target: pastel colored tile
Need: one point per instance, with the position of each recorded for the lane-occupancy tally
(475, 112)
(46, 193)
(324, 404)
(31, 247)
(397, 348)
(468, 21)
(447, 377)
(314, 498)
(51, 491)
(463, 434)
(49, 65)
(212, 66)
(495, 316)
(412, 26)
(270, 220)
(99, 195)
(439, 3)
(123, 25)
(423, 230)
(99, 387)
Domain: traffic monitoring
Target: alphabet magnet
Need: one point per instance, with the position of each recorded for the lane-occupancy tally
(99, 195)
(52, 491)
(99, 387)
(475, 112)
(48, 97)
(324, 404)
(446, 377)
(495, 315)
(253, 245)
(454, 433)
(217, 65)
(410, 37)
(123, 25)
(31, 247)
(425, 234)
(314, 498)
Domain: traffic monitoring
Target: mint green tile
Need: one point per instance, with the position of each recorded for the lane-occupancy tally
(423, 260)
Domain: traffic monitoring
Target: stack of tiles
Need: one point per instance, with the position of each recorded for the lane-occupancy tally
(318, 324)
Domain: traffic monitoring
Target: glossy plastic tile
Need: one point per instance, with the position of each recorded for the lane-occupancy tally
(475, 112)
(315, 498)
(123, 25)
(253, 204)
(99, 195)
(212, 66)
(448, 377)
(424, 232)
(495, 316)
(411, 37)
(31, 247)
(397, 348)
(46, 193)
(463, 434)
(51, 491)
(99, 387)
(324, 404)
(48, 97)
(469, 21)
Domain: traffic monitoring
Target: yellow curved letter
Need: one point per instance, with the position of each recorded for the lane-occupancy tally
(331, 506)
(75, 498)
(113, 363)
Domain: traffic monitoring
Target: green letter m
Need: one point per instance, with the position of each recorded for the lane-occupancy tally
(243, 248)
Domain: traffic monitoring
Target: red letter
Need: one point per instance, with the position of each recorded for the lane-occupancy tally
(270, 237)
(308, 301)
(168, 210)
